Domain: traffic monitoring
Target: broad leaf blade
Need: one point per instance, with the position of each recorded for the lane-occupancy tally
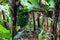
(3, 29)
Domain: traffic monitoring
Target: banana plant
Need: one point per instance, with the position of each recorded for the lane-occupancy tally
(23, 13)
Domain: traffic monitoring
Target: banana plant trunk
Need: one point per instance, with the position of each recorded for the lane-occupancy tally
(54, 21)
(45, 21)
(34, 21)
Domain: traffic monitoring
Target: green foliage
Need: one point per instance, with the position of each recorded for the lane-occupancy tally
(49, 21)
(58, 23)
(4, 33)
(3, 29)
(35, 3)
(18, 35)
(50, 5)
(25, 4)
(17, 28)
(6, 10)
(39, 36)
(41, 19)
(30, 4)
(22, 17)
(49, 13)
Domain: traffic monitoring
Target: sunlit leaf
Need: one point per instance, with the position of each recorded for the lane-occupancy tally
(5, 35)
(39, 37)
(3, 29)
(50, 5)
(17, 28)
(35, 3)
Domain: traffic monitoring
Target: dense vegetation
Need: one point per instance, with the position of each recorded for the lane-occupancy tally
(30, 19)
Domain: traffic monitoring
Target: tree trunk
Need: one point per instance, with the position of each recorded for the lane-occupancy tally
(34, 21)
(38, 19)
(13, 7)
(45, 21)
(54, 22)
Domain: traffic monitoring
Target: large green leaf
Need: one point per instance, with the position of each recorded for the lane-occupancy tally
(51, 3)
(26, 4)
(35, 3)
(3, 29)
(5, 35)
(30, 4)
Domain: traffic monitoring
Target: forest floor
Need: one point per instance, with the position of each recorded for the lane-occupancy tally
(29, 36)
(33, 36)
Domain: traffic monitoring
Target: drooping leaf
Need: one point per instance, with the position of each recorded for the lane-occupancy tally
(18, 35)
